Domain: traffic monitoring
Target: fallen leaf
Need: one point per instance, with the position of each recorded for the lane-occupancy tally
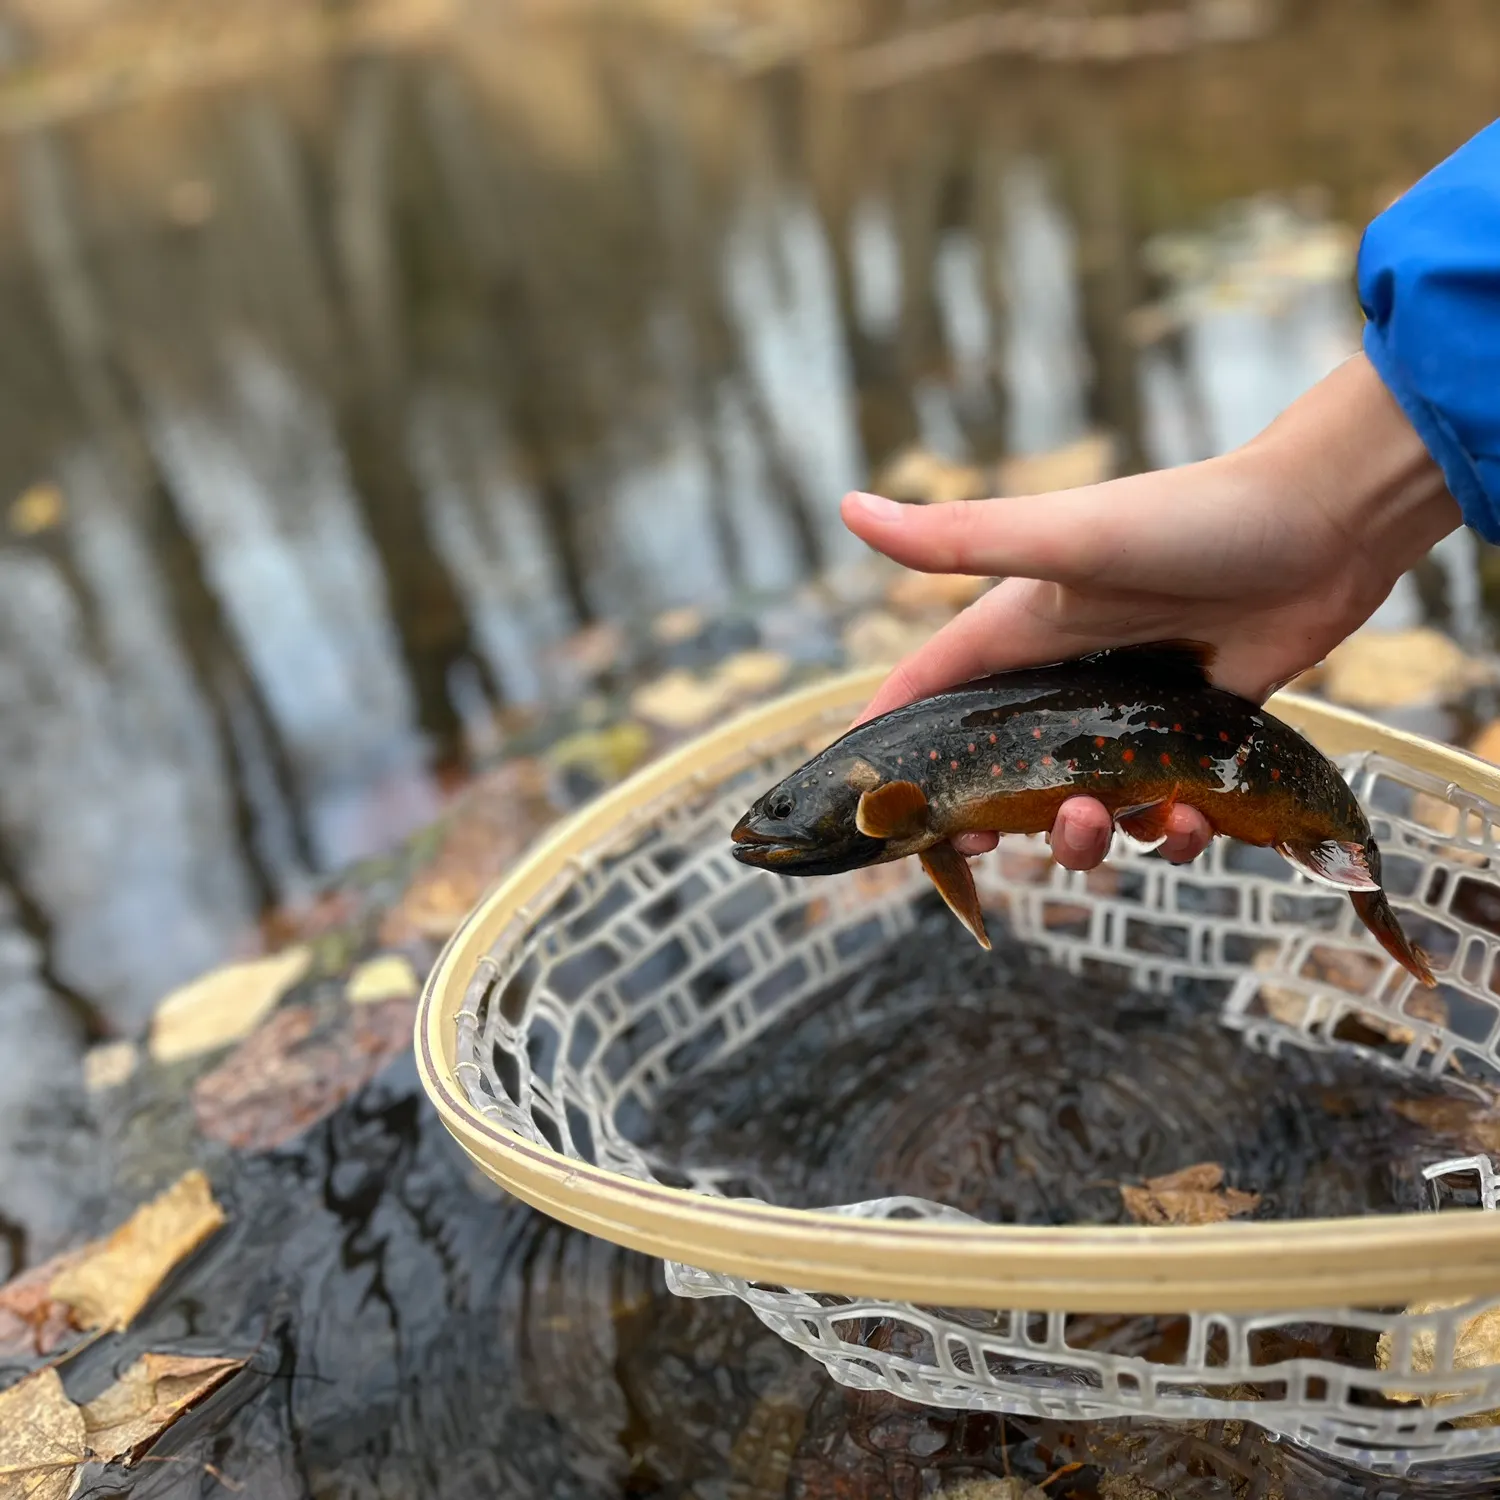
(109, 1065)
(1088, 461)
(608, 754)
(483, 836)
(32, 1320)
(877, 638)
(919, 475)
(389, 977)
(676, 625)
(924, 593)
(1473, 1125)
(590, 651)
(989, 1488)
(224, 1005)
(124, 1420)
(749, 672)
(42, 1440)
(1486, 744)
(296, 1071)
(1193, 1195)
(39, 508)
(679, 700)
(114, 1278)
(1399, 669)
(1476, 1346)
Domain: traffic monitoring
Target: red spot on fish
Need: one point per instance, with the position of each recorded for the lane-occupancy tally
(1072, 765)
(1166, 759)
(992, 739)
(1127, 756)
(1177, 729)
(900, 759)
(952, 765)
(1075, 721)
(971, 749)
(1204, 761)
(1275, 774)
(995, 771)
(1020, 765)
(1241, 758)
(1046, 760)
(1224, 735)
(932, 755)
(1098, 742)
(1036, 734)
(1096, 775)
(1152, 724)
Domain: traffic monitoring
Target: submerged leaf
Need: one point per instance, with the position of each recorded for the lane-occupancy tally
(295, 1071)
(42, 1440)
(114, 1278)
(1193, 1195)
(1473, 1125)
(1476, 1346)
(123, 1421)
(389, 977)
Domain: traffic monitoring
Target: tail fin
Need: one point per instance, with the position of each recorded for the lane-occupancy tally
(1375, 912)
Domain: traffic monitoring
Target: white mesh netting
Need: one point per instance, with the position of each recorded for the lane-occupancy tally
(660, 955)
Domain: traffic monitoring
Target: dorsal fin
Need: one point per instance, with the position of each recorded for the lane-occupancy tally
(1183, 663)
(897, 810)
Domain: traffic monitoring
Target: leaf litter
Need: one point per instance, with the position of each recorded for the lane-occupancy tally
(113, 1279)
(1193, 1195)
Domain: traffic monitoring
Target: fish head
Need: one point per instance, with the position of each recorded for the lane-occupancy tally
(806, 824)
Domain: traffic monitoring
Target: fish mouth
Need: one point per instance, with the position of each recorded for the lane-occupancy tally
(751, 847)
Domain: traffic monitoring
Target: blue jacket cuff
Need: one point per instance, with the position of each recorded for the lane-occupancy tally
(1460, 471)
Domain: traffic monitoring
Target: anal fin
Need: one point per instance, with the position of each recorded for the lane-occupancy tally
(949, 872)
(1336, 862)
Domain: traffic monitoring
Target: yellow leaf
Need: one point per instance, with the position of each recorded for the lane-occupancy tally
(123, 1421)
(38, 509)
(389, 977)
(1088, 461)
(749, 672)
(224, 1005)
(679, 700)
(1476, 1346)
(42, 1440)
(110, 1283)
(1398, 669)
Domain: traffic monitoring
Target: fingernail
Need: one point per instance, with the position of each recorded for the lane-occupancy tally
(1078, 840)
(877, 507)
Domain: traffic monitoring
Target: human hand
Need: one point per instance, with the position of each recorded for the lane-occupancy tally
(1273, 554)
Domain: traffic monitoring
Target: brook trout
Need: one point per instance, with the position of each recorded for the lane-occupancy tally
(1140, 728)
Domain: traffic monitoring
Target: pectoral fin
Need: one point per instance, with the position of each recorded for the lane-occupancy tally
(949, 872)
(1334, 862)
(1146, 822)
(897, 810)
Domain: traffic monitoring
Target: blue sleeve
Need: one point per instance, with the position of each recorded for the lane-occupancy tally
(1429, 284)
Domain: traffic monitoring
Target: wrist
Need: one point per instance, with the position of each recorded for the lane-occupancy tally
(1347, 450)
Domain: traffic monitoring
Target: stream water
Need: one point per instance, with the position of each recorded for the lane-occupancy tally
(343, 386)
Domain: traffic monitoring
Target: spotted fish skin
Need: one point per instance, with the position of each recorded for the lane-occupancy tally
(1141, 729)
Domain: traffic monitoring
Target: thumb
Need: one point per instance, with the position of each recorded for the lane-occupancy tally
(1067, 537)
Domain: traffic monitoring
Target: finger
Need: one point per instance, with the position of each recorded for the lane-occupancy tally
(1065, 540)
(1081, 833)
(1188, 835)
(970, 844)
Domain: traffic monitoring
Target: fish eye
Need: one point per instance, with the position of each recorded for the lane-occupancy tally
(782, 807)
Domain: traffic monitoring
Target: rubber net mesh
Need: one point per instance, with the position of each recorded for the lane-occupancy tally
(658, 955)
